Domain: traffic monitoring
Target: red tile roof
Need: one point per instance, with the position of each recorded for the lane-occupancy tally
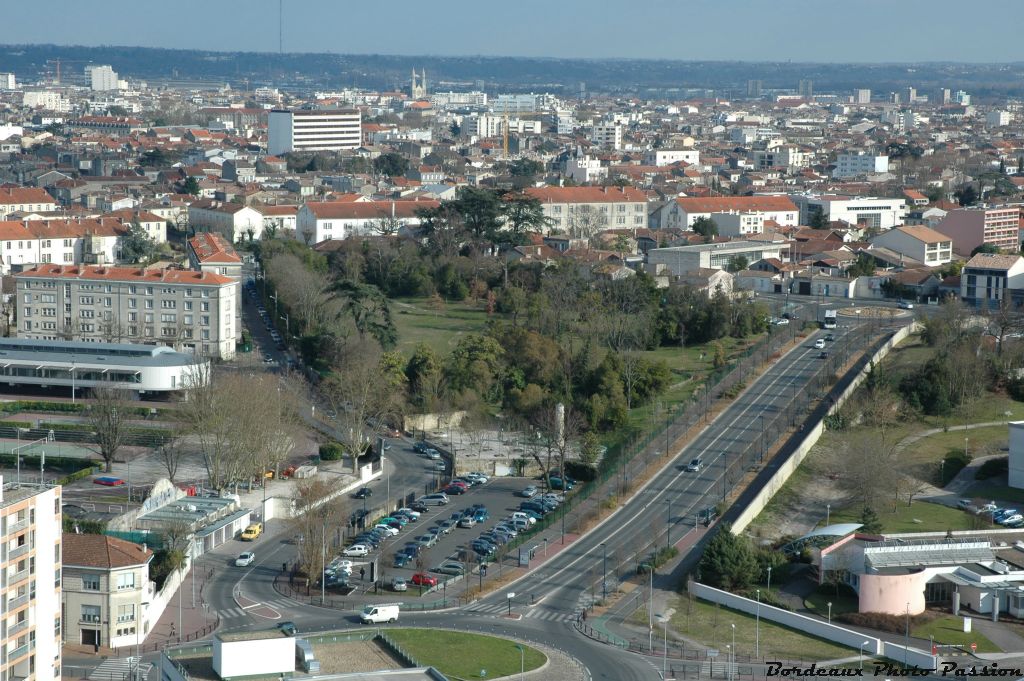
(211, 247)
(10, 195)
(101, 551)
(131, 274)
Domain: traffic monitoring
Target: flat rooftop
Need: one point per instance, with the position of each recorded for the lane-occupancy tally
(255, 635)
(87, 355)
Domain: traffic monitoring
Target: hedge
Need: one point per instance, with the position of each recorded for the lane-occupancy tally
(63, 407)
(332, 451)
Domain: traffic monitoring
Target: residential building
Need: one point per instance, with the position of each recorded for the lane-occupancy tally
(989, 278)
(976, 225)
(313, 130)
(457, 100)
(153, 225)
(210, 252)
(997, 119)
(68, 242)
(101, 78)
(921, 243)
(608, 136)
(862, 96)
(189, 311)
(584, 169)
(8, 81)
(785, 156)
(855, 163)
(584, 211)
(30, 595)
(666, 157)
(682, 212)
(319, 221)
(737, 224)
(106, 590)
(708, 281)
(682, 260)
(491, 125)
(280, 218)
(235, 221)
(25, 200)
(870, 212)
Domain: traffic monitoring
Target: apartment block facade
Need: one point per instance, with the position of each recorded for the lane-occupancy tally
(971, 227)
(583, 211)
(313, 130)
(189, 311)
(30, 592)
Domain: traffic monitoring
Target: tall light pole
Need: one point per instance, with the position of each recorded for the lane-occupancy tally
(828, 513)
(862, 646)
(604, 572)
(757, 627)
(906, 642)
(323, 562)
(830, 612)
(522, 661)
(732, 667)
(668, 526)
(769, 587)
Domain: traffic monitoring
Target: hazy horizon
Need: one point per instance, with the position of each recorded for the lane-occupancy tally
(799, 31)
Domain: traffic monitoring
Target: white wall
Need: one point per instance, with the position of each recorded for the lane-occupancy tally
(263, 656)
(1017, 454)
(48, 599)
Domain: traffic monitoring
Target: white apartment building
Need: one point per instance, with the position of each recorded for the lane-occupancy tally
(866, 211)
(46, 100)
(583, 211)
(681, 213)
(455, 100)
(583, 169)
(565, 122)
(192, 312)
(862, 96)
(101, 78)
(234, 221)
(489, 125)
(608, 136)
(997, 119)
(855, 163)
(787, 156)
(30, 522)
(8, 81)
(25, 200)
(520, 103)
(313, 130)
(681, 260)
(918, 242)
(333, 220)
(66, 242)
(738, 224)
(666, 157)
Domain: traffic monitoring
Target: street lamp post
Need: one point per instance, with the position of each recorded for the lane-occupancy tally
(323, 563)
(906, 641)
(828, 513)
(604, 572)
(757, 627)
(732, 667)
(668, 526)
(522, 661)
(862, 646)
(769, 578)
(762, 440)
(830, 612)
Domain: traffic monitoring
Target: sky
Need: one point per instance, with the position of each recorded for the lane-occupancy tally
(728, 30)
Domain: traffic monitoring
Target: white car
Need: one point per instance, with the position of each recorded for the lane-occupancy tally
(480, 478)
(356, 550)
(519, 515)
(387, 529)
(904, 305)
(819, 344)
(409, 512)
(1011, 519)
(245, 559)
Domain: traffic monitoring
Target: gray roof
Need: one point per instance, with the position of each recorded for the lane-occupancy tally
(91, 354)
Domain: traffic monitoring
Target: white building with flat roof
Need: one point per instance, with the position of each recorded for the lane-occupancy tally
(682, 260)
(101, 78)
(313, 130)
(666, 157)
(870, 212)
(855, 163)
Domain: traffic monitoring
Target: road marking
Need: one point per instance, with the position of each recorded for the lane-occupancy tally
(254, 605)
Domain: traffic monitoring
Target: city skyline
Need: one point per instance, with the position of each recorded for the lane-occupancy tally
(566, 30)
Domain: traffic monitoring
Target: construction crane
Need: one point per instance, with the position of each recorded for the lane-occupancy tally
(504, 134)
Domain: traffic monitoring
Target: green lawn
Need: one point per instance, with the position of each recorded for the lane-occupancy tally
(950, 630)
(843, 602)
(711, 625)
(461, 655)
(418, 322)
(922, 516)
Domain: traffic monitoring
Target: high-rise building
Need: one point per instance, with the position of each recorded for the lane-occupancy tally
(7, 81)
(942, 96)
(806, 88)
(862, 96)
(313, 130)
(753, 88)
(962, 98)
(30, 520)
(101, 78)
(910, 94)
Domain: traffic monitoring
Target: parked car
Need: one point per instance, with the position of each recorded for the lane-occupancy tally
(402, 559)
(1010, 519)
(252, 532)
(398, 584)
(363, 493)
(245, 559)
(446, 526)
(454, 489)
(427, 540)
(450, 568)
(528, 492)
(559, 483)
(439, 499)
(419, 507)
(420, 447)
(423, 579)
(287, 628)
(413, 514)
(356, 550)
(467, 521)
(413, 548)
(905, 305)
(520, 515)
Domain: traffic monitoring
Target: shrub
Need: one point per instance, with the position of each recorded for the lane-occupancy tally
(954, 462)
(993, 468)
(580, 471)
(332, 451)
(893, 624)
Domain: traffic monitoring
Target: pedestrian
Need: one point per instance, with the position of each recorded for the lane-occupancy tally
(584, 615)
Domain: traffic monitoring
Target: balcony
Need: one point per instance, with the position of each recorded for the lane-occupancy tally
(14, 554)
(17, 602)
(21, 651)
(89, 619)
(17, 628)
(17, 577)
(17, 526)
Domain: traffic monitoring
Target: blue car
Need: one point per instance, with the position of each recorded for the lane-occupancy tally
(402, 559)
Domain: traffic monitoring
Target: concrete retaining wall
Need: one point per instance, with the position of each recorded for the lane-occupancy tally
(815, 627)
(787, 467)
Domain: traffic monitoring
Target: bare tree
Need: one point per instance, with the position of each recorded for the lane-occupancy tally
(302, 289)
(586, 221)
(107, 415)
(170, 454)
(387, 225)
(315, 522)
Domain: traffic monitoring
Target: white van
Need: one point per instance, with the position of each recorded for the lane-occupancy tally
(375, 614)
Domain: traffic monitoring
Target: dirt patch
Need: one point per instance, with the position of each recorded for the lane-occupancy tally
(353, 657)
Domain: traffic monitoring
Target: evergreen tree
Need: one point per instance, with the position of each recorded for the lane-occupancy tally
(729, 561)
(870, 523)
(706, 227)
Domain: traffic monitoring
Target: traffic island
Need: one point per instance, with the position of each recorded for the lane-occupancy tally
(461, 655)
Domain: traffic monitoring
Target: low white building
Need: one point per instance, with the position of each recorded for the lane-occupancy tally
(234, 221)
(584, 169)
(683, 211)
(738, 224)
(917, 242)
(666, 157)
(332, 220)
(870, 212)
(682, 260)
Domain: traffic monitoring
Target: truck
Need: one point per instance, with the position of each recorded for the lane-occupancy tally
(830, 320)
(375, 614)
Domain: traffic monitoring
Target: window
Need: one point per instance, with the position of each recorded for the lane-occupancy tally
(28, 297)
(91, 613)
(169, 304)
(188, 319)
(28, 311)
(149, 304)
(204, 320)
(169, 318)
(126, 613)
(205, 307)
(188, 305)
(131, 290)
(167, 331)
(148, 317)
(56, 627)
(206, 334)
(133, 316)
(149, 290)
(67, 243)
(85, 300)
(87, 314)
(126, 580)
(69, 257)
(106, 302)
(133, 303)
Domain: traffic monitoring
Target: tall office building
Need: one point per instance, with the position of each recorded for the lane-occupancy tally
(862, 96)
(753, 88)
(910, 94)
(314, 130)
(806, 88)
(101, 78)
(30, 522)
(942, 96)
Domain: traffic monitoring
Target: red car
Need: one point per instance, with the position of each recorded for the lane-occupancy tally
(459, 483)
(108, 481)
(423, 579)
(454, 489)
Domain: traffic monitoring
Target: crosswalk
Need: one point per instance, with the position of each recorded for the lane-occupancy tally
(238, 612)
(119, 669)
(535, 613)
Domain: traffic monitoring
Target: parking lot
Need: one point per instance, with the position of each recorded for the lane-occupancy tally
(499, 496)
